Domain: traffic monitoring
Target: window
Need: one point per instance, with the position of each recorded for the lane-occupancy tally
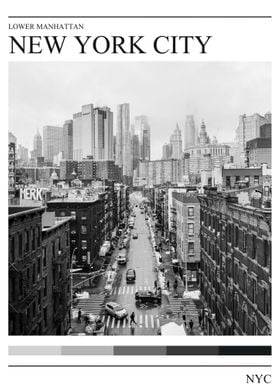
(244, 245)
(38, 236)
(53, 249)
(190, 211)
(229, 234)
(73, 215)
(254, 289)
(236, 236)
(27, 241)
(66, 238)
(190, 228)
(256, 180)
(245, 282)
(45, 287)
(84, 258)
(38, 266)
(44, 256)
(84, 244)
(237, 178)
(45, 317)
(254, 246)
(12, 249)
(265, 301)
(83, 229)
(20, 245)
(33, 273)
(33, 239)
(83, 218)
(191, 247)
(266, 253)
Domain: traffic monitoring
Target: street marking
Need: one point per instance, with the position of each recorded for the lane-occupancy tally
(108, 321)
(124, 322)
(113, 322)
(146, 321)
(144, 288)
(118, 323)
(123, 290)
(119, 290)
(158, 325)
(103, 318)
(140, 321)
(140, 288)
(152, 321)
(114, 291)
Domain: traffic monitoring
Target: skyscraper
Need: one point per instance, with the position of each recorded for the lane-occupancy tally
(123, 140)
(166, 151)
(93, 133)
(68, 139)
(83, 132)
(189, 136)
(22, 155)
(52, 141)
(143, 129)
(37, 145)
(103, 134)
(176, 143)
(135, 151)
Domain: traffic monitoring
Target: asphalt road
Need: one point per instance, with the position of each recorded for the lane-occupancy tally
(141, 259)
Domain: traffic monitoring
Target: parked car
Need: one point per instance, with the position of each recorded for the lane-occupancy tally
(122, 256)
(116, 310)
(130, 275)
(147, 296)
(135, 236)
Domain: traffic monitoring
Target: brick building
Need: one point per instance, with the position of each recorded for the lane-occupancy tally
(235, 266)
(87, 227)
(34, 271)
(187, 216)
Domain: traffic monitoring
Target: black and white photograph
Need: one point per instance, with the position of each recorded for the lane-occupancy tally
(140, 198)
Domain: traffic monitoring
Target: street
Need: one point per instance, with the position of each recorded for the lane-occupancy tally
(141, 259)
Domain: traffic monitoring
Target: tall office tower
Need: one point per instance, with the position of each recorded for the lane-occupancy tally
(22, 155)
(83, 132)
(189, 136)
(103, 142)
(123, 140)
(68, 139)
(176, 143)
(143, 129)
(114, 147)
(166, 151)
(135, 151)
(52, 141)
(37, 145)
(203, 137)
(248, 129)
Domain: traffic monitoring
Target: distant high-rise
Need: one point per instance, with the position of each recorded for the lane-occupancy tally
(189, 135)
(176, 143)
(22, 154)
(123, 140)
(143, 129)
(68, 139)
(135, 151)
(166, 151)
(83, 132)
(37, 145)
(52, 141)
(103, 134)
(93, 133)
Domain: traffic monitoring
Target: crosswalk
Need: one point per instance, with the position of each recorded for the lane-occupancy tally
(142, 321)
(130, 289)
(187, 306)
(92, 305)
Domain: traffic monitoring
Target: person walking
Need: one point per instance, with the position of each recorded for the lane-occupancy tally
(155, 285)
(79, 315)
(132, 319)
(191, 324)
(167, 285)
(86, 319)
(200, 319)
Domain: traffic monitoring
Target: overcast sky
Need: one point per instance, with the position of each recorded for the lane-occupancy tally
(48, 93)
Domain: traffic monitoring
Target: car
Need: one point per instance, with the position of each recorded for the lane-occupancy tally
(146, 218)
(135, 236)
(130, 275)
(147, 296)
(116, 310)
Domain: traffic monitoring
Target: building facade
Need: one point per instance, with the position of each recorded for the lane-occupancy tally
(103, 134)
(189, 135)
(123, 140)
(39, 273)
(52, 142)
(235, 266)
(176, 143)
(67, 140)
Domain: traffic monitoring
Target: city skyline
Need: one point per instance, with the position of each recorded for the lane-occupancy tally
(190, 83)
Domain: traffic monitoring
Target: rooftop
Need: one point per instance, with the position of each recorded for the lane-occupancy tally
(15, 211)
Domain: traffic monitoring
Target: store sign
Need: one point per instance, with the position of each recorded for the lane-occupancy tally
(31, 194)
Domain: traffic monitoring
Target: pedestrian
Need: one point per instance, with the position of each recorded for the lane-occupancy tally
(155, 284)
(199, 319)
(184, 320)
(79, 315)
(132, 319)
(191, 324)
(86, 319)
(167, 285)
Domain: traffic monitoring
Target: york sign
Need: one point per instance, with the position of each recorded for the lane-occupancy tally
(32, 194)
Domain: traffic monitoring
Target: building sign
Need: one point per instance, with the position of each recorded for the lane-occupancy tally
(32, 194)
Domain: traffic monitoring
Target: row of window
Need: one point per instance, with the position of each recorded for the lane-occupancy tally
(23, 242)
